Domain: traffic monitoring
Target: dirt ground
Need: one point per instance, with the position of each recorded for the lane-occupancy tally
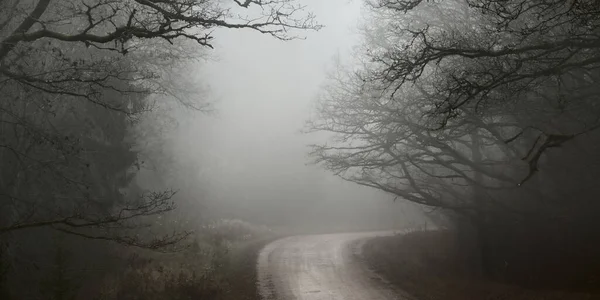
(320, 267)
(242, 277)
(430, 265)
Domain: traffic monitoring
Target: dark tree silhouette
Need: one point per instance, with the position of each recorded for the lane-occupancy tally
(478, 108)
(73, 78)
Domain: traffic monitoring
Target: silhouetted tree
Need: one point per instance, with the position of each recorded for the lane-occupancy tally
(458, 104)
(56, 54)
(75, 76)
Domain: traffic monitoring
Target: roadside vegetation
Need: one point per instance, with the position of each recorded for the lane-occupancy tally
(435, 265)
(219, 264)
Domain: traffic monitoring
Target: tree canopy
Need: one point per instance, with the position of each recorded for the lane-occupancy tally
(485, 109)
(74, 78)
(460, 93)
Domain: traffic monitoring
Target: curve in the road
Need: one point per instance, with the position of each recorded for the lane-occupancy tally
(319, 267)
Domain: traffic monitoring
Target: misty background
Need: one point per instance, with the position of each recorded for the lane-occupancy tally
(150, 149)
(250, 152)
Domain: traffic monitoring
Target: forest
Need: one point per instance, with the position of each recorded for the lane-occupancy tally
(476, 116)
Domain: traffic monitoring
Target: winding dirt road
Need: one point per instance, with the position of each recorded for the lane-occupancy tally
(320, 267)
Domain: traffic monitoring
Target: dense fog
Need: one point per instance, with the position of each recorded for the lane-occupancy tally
(251, 150)
(150, 149)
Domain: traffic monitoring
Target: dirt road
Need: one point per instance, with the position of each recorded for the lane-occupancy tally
(320, 267)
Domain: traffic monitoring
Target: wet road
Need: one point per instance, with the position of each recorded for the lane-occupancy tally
(320, 267)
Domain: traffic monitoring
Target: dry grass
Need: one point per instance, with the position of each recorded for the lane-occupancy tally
(431, 265)
(221, 265)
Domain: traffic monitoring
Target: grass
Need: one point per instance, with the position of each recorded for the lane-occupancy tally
(431, 265)
(221, 265)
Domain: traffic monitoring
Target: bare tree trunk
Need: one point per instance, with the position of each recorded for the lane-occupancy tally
(476, 230)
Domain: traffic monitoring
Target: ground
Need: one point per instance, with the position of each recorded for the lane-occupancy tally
(242, 277)
(430, 265)
(320, 267)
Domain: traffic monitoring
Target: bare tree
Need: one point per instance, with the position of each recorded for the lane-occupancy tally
(496, 53)
(458, 104)
(72, 32)
(385, 143)
(73, 77)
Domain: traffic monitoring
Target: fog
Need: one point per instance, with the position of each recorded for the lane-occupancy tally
(251, 150)
(181, 149)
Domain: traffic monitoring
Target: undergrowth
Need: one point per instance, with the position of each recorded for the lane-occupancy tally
(219, 264)
(432, 265)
